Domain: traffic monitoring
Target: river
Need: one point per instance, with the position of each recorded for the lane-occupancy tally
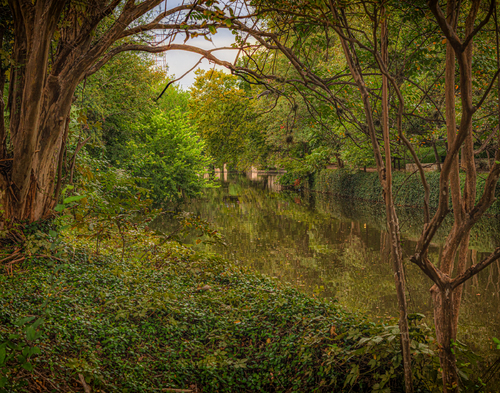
(335, 248)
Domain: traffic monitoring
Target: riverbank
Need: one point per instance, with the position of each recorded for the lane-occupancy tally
(408, 189)
(186, 320)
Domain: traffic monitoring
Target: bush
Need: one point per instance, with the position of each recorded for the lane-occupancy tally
(171, 156)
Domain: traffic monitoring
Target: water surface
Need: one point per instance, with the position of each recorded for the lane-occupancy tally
(336, 248)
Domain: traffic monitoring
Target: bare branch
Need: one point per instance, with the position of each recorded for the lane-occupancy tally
(487, 92)
(475, 269)
(159, 49)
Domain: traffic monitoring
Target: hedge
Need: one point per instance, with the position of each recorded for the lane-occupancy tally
(408, 189)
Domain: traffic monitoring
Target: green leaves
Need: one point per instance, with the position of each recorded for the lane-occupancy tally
(16, 353)
(171, 159)
(23, 321)
(74, 198)
(220, 109)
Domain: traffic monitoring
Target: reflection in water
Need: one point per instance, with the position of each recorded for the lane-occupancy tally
(336, 248)
(270, 178)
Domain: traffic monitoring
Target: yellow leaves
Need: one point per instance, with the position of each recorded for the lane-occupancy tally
(444, 41)
(268, 341)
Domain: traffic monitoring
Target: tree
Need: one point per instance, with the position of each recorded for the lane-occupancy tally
(367, 36)
(57, 44)
(223, 109)
(218, 108)
(119, 96)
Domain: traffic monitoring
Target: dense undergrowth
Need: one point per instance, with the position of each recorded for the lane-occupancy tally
(160, 316)
(408, 189)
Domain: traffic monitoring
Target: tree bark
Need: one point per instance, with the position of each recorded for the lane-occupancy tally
(40, 96)
(385, 177)
(3, 131)
(392, 218)
(436, 155)
(447, 300)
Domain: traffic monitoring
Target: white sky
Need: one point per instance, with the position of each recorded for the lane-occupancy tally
(180, 61)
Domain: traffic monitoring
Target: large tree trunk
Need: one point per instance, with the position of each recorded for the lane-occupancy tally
(39, 176)
(40, 95)
(29, 181)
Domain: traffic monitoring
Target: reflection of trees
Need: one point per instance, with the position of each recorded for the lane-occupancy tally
(484, 237)
(339, 249)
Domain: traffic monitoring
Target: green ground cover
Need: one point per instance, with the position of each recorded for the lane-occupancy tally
(178, 319)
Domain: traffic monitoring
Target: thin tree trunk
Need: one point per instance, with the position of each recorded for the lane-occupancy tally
(392, 219)
(436, 155)
(62, 151)
(470, 191)
(440, 302)
(447, 300)
(3, 131)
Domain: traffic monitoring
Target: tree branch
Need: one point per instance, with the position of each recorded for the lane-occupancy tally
(475, 269)
(480, 26)
(487, 92)
(448, 30)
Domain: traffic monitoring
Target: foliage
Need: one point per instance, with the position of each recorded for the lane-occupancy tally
(182, 319)
(220, 108)
(118, 125)
(110, 204)
(18, 349)
(119, 96)
(408, 189)
(170, 156)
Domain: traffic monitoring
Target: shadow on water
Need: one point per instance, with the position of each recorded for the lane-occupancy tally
(336, 248)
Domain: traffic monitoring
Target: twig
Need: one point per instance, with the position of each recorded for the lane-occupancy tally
(14, 261)
(47, 379)
(164, 240)
(10, 256)
(85, 386)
